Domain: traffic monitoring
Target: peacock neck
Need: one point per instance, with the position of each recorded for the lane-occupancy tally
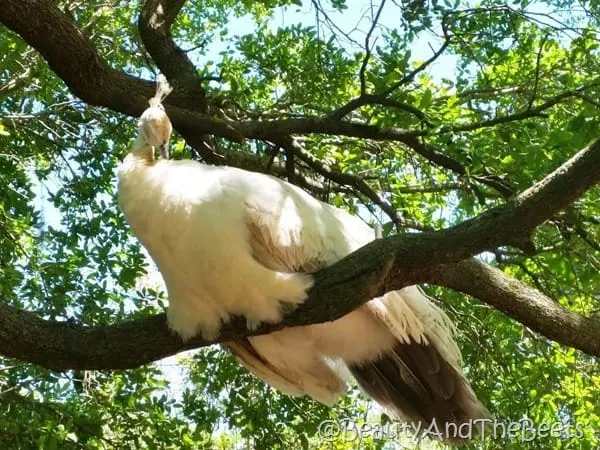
(141, 151)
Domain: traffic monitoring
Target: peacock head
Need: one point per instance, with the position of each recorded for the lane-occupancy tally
(155, 129)
(154, 125)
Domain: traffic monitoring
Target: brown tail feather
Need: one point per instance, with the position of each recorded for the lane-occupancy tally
(414, 382)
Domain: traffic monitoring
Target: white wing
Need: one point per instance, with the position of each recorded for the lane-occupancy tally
(400, 347)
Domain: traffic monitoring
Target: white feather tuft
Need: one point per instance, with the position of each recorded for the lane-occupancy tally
(411, 315)
(163, 89)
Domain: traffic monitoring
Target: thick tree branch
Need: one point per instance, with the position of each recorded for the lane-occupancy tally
(523, 303)
(380, 266)
(54, 35)
(155, 23)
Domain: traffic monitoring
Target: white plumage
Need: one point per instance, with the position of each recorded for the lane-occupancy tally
(231, 242)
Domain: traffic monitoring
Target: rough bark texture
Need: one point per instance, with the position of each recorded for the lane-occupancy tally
(523, 303)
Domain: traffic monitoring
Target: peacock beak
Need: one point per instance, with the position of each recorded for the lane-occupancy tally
(164, 150)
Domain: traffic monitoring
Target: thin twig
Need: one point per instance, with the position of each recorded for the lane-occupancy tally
(363, 67)
(353, 181)
(537, 72)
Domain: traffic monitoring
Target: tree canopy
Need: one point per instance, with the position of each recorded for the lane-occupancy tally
(468, 132)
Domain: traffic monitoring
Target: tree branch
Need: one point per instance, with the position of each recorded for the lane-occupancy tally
(408, 78)
(380, 266)
(383, 265)
(523, 303)
(365, 62)
(15, 83)
(275, 129)
(376, 99)
(54, 34)
(417, 189)
(155, 23)
(350, 180)
(530, 112)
